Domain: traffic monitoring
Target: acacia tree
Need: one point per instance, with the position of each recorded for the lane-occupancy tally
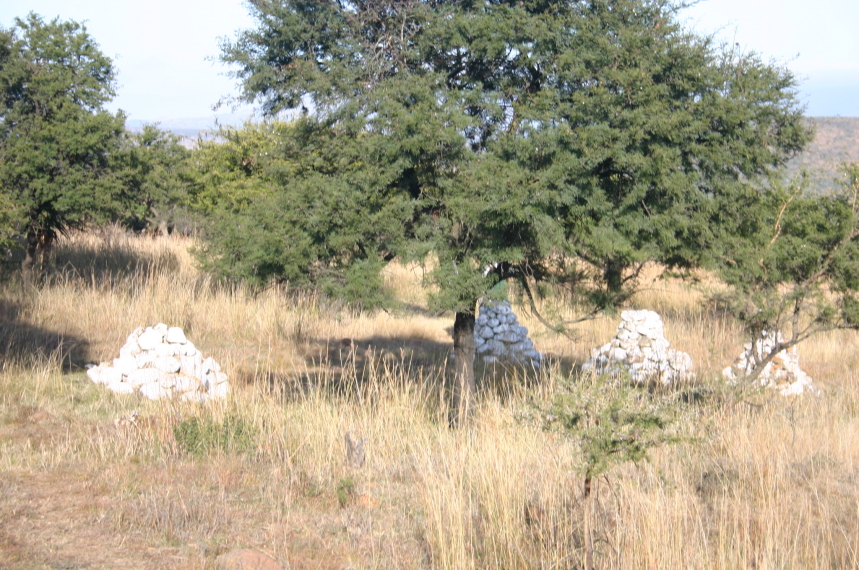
(519, 135)
(792, 263)
(56, 138)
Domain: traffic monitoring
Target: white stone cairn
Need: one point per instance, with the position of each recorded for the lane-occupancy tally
(498, 337)
(640, 349)
(160, 362)
(781, 373)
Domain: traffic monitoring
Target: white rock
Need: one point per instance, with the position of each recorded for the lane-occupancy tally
(125, 364)
(186, 384)
(120, 387)
(210, 364)
(103, 374)
(619, 355)
(150, 339)
(168, 380)
(143, 376)
(130, 348)
(195, 397)
(176, 335)
(217, 378)
(155, 392)
(161, 327)
(145, 359)
(135, 334)
(165, 349)
(192, 365)
(168, 364)
(219, 391)
(94, 374)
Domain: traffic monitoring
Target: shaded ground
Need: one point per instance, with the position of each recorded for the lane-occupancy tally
(21, 341)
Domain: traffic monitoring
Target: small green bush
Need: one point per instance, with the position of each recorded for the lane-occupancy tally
(198, 435)
(345, 491)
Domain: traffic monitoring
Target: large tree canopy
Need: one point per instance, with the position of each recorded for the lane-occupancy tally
(56, 138)
(572, 140)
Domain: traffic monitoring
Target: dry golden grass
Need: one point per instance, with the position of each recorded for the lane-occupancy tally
(766, 482)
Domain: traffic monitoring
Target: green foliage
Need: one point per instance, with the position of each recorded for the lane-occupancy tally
(56, 138)
(792, 260)
(234, 167)
(201, 435)
(513, 132)
(612, 421)
(149, 168)
(345, 491)
(277, 212)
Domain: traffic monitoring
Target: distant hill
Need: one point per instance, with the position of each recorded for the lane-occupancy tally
(836, 141)
(192, 126)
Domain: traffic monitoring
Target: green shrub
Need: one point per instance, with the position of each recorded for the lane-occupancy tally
(198, 435)
(345, 491)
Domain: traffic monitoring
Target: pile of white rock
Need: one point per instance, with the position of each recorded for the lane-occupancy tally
(159, 362)
(641, 350)
(781, 373)
(498, 337)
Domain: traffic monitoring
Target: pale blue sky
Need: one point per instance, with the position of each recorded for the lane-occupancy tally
(161, 46)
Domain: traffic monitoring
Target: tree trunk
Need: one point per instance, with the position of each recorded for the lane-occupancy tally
(613, 275)
(589, 539)
(30, 266)
(39, 242)
(463, 383)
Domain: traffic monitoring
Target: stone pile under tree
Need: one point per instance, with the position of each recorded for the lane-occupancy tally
(160, 362)
(498, 337)
(781, 373)
(640, 349)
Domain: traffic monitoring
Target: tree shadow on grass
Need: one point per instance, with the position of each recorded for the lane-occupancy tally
(350, 367)
(108, 262)
(346, 367)
(22, 343)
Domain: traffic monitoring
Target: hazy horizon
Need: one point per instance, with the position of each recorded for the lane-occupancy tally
(168, 72)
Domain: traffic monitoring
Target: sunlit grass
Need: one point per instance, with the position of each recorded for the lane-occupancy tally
(761, 481)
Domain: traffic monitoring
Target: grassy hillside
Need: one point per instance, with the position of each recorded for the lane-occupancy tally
(757, 480)
(836, 141)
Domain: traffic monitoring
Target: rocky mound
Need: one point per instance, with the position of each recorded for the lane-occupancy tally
(782, 373)
(498, 337)
(159, 362)
(640, 349)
